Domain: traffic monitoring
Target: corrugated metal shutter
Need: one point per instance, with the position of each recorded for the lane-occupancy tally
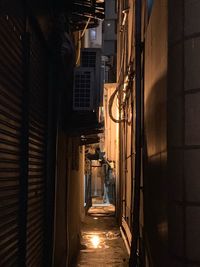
(11, 89)
(23, 137)
(37, 151)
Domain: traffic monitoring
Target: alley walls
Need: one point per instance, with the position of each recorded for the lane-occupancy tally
(69, 203)
(155, 135)
(183, 132)
(172, 97)
(60, 230)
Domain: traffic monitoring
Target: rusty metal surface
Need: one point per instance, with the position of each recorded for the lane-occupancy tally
(102, 244)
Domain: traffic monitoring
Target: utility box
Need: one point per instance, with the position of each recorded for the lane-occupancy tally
(83, 89)
(88, 81)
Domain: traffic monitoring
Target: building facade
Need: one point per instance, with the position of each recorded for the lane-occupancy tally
(169, 129)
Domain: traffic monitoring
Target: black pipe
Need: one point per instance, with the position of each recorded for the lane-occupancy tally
(136, 204)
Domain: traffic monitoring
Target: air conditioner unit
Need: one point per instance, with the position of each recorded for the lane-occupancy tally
(91, 58)
(83, 89)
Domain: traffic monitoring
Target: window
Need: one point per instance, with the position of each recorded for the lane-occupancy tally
(93, 34)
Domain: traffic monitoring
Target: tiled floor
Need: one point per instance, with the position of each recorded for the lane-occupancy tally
(102, 244)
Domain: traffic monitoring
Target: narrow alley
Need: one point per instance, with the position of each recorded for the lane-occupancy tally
(99, 133)
(101, 241)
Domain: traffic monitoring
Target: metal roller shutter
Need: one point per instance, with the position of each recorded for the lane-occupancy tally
(37, 151)
(11, 90)
(23, 137)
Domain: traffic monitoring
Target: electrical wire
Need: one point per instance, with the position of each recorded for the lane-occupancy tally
(80, 38)
(117, 90)
(121, 80)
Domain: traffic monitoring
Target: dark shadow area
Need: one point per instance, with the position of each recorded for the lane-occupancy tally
(155, 175)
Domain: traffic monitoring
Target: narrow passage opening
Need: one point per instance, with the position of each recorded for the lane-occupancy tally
(101, 243)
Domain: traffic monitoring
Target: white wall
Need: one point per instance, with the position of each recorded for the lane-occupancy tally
(93, 37)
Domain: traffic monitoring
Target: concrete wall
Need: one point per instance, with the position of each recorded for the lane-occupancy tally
(69, 206)
(109, 28)
(97, 181)
(184, 132)
(112, 137)
(75, 175)
(155, 115)
(110, 11)
(172, 94)
(125, 130)
(60, 222)
(109, 48)
(172, 133)
(82, 182)
(111, 128)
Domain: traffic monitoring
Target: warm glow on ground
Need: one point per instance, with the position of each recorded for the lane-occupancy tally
(95, 241)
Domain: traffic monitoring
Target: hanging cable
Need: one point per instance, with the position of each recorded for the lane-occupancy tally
(111, 101)
(124, 82)
(120, 79)
(79, 40)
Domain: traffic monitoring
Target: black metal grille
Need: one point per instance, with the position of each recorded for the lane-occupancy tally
(82, 90)
(11, 88)
(23, 126)
(88, 59)
(37, 152)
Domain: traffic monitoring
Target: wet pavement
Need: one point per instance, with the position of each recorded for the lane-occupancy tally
(102, 210)
(101, 241)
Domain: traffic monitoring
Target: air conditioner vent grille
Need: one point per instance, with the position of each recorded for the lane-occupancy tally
(88, 59)
(87, 81)
(83, 82)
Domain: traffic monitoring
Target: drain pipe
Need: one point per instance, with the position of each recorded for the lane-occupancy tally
(136, 205)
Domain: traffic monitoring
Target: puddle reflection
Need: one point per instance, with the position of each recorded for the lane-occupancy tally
(98, 240)
(95, 241)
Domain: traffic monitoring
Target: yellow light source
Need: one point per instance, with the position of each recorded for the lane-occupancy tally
(95, 241)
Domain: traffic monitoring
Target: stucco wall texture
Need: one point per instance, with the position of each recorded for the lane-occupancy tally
(172, 134)
(184, 131)
(155, 116)
(69, 203)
